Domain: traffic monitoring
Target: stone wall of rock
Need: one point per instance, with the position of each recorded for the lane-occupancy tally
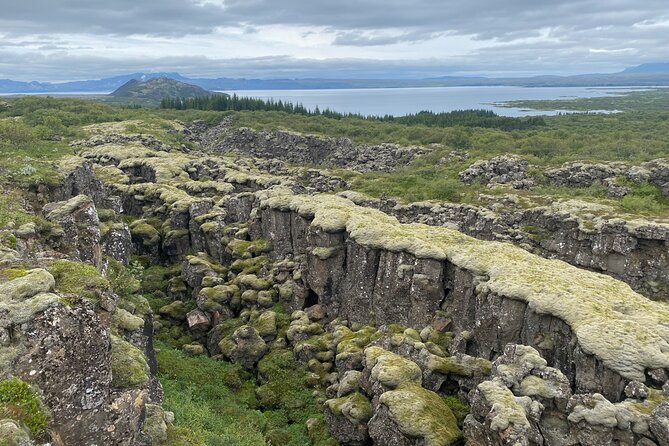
(301, 149)
(367, 283)
(636, 252)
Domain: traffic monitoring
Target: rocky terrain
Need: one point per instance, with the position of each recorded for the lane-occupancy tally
(422, 324)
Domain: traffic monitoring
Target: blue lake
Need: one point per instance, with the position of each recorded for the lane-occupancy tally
(401, 101)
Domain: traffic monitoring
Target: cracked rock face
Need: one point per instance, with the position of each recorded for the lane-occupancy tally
(79, 219)
(65, 352)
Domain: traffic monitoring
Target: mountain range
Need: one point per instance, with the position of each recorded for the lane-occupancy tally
(651, 74)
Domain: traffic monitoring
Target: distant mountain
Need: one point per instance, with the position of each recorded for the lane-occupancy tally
(156, 88)
(650, 74)
(659, 67)
(87, 86)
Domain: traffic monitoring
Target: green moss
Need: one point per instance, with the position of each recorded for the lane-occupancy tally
(129, 367)
(66, 208)
(459, 409)
(176, 310)
(21, 403)
(241, 249)
(249, 266)
(390, 369)
(285, 386)
(355, 407)
(251, 281)
(215, 297)
(145, 232)
(536, 233)
(323, 253)
(422, 414)
(126, 321)
(11, 210)
(155, 278)
(266, 324)
(122, 279)
(460, 365)
(13, 273)
(78, 278)
(655, 398)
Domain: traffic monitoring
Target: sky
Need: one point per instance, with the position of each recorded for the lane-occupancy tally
(59, 40)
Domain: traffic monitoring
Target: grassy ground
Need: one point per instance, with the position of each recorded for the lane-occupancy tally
(212, 401)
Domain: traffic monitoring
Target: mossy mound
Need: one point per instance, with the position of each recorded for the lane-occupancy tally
(78, 278)
(129, 367)
(420, 413)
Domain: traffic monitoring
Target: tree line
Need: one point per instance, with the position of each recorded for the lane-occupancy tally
(465, 118)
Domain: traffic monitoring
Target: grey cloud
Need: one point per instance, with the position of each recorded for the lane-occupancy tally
(117, 17)
(357, 38)
(521, 35)
(486, 19)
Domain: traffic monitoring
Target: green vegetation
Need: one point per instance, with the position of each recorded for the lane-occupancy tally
(649, 100)
(78, 278)
(225, 410)
(21, 403)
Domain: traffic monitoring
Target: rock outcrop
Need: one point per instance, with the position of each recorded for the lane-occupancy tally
(499, 170)
(630, 250)
(300, 149)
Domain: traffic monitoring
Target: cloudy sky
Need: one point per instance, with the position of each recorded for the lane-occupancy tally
(80, 39)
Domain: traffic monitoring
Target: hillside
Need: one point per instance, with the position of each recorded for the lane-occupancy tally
(155, 89)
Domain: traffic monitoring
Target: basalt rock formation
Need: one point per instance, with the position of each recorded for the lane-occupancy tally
(306, 149)
(634, 250)
(412, 333)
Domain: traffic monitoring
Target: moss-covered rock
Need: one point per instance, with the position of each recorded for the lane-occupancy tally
(78, 278)
(31, 283)
(420, 413)
(176, 310)
(391, 370)
(129, 367)
(124, 320)
(623, 329)
(461, 365)
(355, 407)
(266, 325)
(148, 235)
(251, 281)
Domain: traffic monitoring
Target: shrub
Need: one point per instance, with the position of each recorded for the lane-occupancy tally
(21, 403)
